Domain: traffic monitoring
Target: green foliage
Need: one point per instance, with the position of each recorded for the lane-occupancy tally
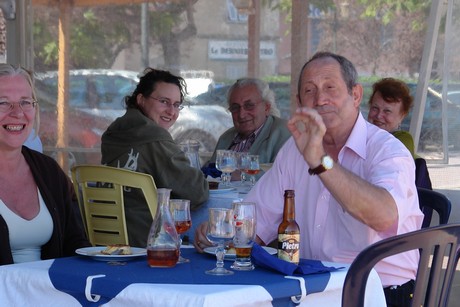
(87, 49)
(387, 9)
(95, 39)
(45, 47)
(277, 78)
(286, 6)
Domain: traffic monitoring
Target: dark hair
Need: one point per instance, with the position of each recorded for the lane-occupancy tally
(147, 82)
(349, 73)
(393, 90)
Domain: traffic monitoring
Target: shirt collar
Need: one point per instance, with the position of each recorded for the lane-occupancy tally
(358, 138)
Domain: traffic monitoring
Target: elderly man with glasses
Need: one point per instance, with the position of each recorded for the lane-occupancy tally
(257, 129)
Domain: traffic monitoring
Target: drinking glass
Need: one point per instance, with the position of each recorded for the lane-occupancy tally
(220, 228)
(240, 157)
(191, 150)
(244, 219)
(250, 165)
(226, 163)
(182, 220)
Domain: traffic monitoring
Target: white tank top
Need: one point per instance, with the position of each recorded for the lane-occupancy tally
(27, 237)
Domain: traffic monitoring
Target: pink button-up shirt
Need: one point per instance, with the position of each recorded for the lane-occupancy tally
(329, 233)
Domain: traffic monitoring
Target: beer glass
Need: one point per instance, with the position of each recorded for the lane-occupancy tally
(244, 220)
(180, 209)
(220, 228)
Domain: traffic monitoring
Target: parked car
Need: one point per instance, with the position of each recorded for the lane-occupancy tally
(431, 131)
(454, 96)
(96, 99)
(219, 96)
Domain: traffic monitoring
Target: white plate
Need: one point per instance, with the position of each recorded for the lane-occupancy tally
(231, 256)
(223, 190)
(95, 253)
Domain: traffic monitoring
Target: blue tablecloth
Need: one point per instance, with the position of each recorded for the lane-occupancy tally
(69, 275)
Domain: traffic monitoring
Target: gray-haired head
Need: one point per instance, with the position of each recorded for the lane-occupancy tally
(268, 96)
(10, 70)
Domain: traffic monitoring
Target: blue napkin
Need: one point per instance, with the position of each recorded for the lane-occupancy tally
(262, 258)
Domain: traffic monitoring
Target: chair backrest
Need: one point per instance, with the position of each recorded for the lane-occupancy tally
(100, 198)
(437, 245)
(430, 200)
(422, 177)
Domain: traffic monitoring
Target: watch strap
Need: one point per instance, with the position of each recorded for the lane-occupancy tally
(317, 170)
(326, 163)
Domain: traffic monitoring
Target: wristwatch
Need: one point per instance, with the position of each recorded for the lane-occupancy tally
(326, 163)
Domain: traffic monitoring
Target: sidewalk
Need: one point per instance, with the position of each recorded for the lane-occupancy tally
(446, 179)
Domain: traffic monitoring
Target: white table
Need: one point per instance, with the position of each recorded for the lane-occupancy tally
(29, 284)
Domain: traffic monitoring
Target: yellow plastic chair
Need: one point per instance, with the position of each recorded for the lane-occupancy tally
(100, 198)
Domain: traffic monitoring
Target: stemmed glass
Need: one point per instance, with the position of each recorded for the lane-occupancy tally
(220, 228)
(240, 157)
(226, 163)
(182, 220)
(250, 165)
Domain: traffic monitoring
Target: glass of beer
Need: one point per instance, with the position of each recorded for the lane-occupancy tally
(244, 220)
(182, 220)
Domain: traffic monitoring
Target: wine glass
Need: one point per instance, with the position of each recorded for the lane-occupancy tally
(250, 165)
(244, 218)
(240, 157)
(220, 228)
(226, 163)
(182, 220)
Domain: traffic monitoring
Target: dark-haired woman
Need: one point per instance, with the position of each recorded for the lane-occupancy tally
(140, 141)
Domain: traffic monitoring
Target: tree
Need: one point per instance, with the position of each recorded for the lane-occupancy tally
(380, 36)
(100, 33)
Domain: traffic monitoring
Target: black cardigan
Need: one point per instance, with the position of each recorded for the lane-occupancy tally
(60, 199)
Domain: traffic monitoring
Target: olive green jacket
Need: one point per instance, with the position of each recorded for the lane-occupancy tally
(137, 143)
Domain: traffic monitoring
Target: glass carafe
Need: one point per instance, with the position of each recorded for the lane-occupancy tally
(163, 241)
(191, 149)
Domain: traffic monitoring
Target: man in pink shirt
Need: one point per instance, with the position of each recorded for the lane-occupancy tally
(354, 182)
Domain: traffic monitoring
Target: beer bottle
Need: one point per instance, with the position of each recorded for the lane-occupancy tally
(289, 231)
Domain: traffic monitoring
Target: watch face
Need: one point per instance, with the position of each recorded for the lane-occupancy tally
(327, 162)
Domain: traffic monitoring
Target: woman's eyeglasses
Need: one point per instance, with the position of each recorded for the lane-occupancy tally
(26, 105)
(166, 103)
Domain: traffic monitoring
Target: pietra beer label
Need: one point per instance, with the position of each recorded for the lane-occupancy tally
(289, 247)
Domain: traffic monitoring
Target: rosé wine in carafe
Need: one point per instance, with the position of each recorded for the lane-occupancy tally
(163, 240)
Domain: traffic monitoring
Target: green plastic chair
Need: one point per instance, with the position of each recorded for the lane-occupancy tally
(100, 198)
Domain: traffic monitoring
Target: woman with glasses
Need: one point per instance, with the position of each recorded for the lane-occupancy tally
(140, 141)
(38, 216)
(257, 127)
